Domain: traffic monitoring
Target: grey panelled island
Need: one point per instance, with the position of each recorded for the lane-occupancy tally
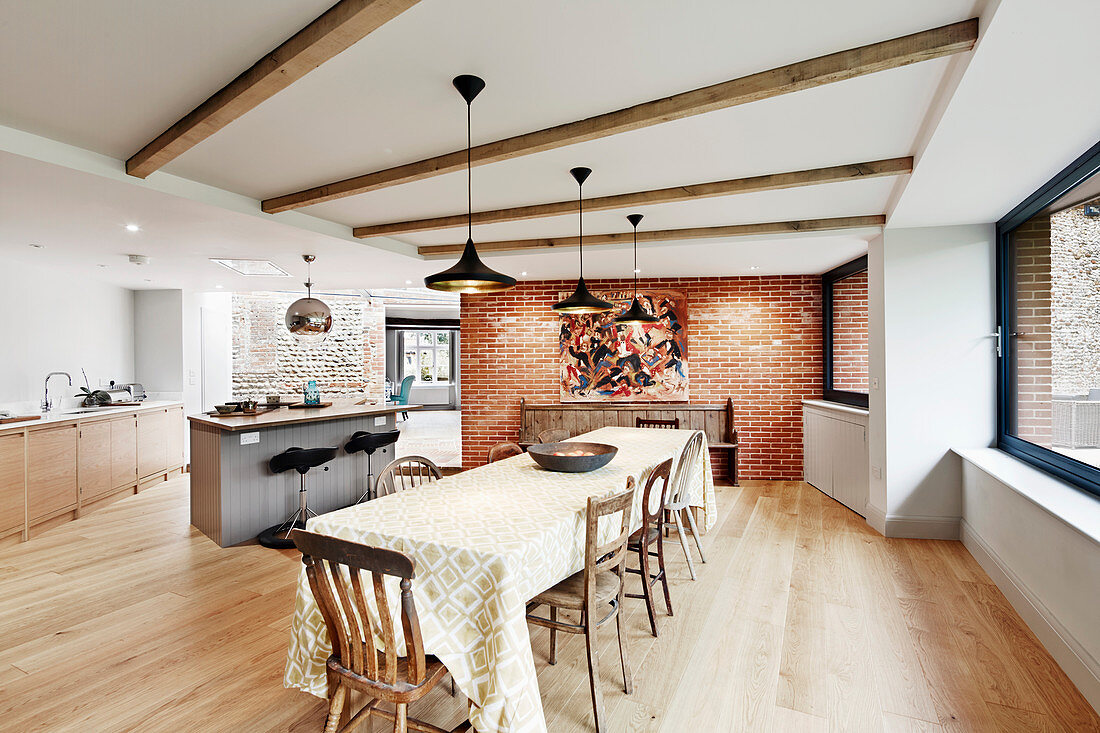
(234, 495)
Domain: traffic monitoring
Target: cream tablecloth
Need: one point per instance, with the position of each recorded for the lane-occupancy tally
(484, 542)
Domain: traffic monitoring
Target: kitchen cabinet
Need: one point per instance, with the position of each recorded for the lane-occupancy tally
(94, 459)
(834, 452)
(124, 451)
(174, 442)
(152, 442)
(51, 471)
(12, 489)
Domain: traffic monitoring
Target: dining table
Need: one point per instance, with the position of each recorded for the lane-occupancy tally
(484, 542)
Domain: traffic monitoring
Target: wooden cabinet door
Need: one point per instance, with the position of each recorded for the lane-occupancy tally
(95, 459)
(174, 429)
(817, 451)
(123, 451)
(51, 471)
(12, 491)
(152, 436)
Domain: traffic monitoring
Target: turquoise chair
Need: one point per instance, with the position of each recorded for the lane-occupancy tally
(402, 397)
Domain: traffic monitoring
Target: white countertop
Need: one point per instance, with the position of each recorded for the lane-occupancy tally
(71, 414)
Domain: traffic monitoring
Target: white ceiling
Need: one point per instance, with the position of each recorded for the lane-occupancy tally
(109, 76)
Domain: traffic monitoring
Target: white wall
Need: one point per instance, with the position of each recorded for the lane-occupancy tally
(57, 322)
(158, 342)
(936, 366)
(876, 367)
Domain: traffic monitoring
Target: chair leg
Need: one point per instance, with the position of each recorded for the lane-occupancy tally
(661, 571)
(553, 637)
(647, 591)
(628, 683)
(684, 542)
(401, 718)
(335, 708)
(695, 534)
(594, 671)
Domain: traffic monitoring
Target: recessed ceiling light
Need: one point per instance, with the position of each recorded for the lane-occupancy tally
(636, 270)
(754, 267)
(408, 282)
(252, 268)
(133, 228)
(523, 274)
(219, 287)
(37, 246)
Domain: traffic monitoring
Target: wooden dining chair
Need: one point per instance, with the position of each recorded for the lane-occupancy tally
(642, 422)
(553, 435)
(596, 591)
(500, 451)
(335, 569)
(654, 501)
(406, 473)
(679, 502)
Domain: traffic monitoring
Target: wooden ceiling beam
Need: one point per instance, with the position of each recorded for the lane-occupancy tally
(675, 194)
(337, 29)
(929, 44)
(434, 251)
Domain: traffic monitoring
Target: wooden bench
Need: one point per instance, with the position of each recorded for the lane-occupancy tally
(716, 421)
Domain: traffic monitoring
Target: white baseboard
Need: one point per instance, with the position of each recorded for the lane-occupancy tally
(922, 528)
(1080, 666)
(876, 518)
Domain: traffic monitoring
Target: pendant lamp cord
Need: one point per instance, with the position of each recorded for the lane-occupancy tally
(635, 262)
(469, 176)
(580, 226)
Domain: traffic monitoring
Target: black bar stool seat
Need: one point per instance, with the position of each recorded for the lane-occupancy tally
(369, 443)
(300, 460)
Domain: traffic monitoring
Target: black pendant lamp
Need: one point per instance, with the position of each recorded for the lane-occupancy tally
(469, 274)
(582, 301)
(636, 315)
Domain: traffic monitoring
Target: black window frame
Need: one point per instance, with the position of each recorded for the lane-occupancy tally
(844, 397)
(1079, 474)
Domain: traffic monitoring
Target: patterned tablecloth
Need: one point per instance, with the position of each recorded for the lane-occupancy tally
(484, 542)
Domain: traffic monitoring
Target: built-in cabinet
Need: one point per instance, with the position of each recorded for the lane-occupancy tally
(834, 452)
(57, 470)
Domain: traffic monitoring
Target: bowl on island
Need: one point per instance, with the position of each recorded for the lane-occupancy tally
(572, 456)
(225, 409)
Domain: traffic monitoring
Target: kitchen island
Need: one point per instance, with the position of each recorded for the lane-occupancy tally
(235, 495)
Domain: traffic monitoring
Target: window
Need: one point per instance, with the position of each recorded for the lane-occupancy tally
(846, 329)
(1048, 287)
(427, 355)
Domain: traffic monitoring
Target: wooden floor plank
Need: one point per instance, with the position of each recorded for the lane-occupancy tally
(803, 620)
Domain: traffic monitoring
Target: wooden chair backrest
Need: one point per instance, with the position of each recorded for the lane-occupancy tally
(680, 495)
(500, 451)
(335, 571)
(406, 473)
(553, 435)
(657, 481)
(597, 557)
(642, 422)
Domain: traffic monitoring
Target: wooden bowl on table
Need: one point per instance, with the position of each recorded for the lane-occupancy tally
(572, 456)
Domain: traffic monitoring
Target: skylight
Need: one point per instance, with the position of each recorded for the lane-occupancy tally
(253, 268)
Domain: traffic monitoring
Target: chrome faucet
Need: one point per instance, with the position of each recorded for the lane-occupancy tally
(47, 404)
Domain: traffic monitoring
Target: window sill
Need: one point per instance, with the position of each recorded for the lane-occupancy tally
(1064, 502)
(838, 406)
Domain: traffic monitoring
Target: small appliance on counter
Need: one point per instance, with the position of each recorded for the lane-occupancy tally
(137, 392)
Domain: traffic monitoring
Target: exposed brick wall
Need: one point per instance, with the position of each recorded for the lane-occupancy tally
(851, 330)
(268, 360)
(757, 340)
(1033, 352)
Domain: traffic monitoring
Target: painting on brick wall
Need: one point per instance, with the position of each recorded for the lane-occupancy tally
(601, 361)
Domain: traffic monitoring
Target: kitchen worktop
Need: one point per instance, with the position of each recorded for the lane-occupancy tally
(78, 414)
(340, 409)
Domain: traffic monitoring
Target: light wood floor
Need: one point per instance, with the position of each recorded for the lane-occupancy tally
(803, 620)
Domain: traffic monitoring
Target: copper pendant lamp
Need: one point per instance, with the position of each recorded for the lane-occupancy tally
(581, 301)
(469, 274)
(636, 315)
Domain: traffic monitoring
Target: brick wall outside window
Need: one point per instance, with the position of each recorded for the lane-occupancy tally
(851, 329)
(1032, 342)
(755, 339)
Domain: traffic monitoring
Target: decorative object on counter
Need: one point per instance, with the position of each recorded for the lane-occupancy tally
(572, 456)
(274, 399)
(311, 394)
(308, 318)
(640, 364)
(248, 407)
(225, 409)
(581, 301)
(636, 315)
(469, 274)
(94, 398)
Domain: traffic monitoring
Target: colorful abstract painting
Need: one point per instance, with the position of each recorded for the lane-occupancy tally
(602, 361)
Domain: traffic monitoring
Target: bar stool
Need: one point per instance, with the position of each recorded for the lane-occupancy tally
(301, 460)
(370, 442)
